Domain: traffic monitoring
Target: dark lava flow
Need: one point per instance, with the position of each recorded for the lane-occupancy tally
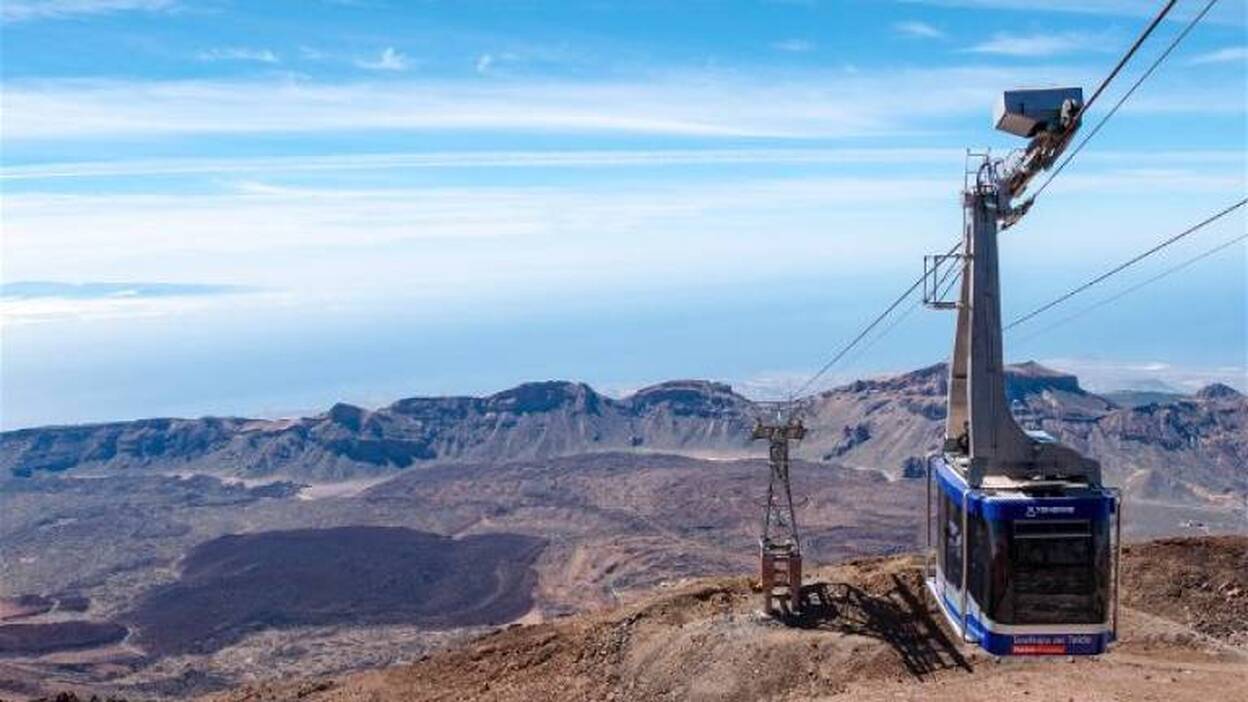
(355, 575)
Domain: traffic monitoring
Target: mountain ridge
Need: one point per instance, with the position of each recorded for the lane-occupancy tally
(888, 423)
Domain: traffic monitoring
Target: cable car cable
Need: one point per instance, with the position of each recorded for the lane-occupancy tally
(1122, 266)
(866, 330)
(1130, 91)
(1139, 41)
(952, 281)
(1123, 293)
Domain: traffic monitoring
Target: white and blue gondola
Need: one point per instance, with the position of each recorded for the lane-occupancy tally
(1024, 567)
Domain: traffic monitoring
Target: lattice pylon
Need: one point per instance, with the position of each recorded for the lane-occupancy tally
(780, 548)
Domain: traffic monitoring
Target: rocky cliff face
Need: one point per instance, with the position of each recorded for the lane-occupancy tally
(1192, 446)
(1201, 441)
(1195, 445)
(534, 420)
(891, 423)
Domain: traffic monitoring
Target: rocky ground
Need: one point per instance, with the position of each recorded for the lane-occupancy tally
(870, 636)
(1201, 583)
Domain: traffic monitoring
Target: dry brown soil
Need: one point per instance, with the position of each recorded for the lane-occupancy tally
(869, 635)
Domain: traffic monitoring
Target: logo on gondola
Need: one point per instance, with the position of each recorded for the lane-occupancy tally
(1035, 511)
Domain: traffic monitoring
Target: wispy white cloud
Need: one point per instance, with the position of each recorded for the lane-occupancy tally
(331, 244)
(788, 104)
(389, 60)
(27, 10)
(1228, 55)
(771, 385)
(330, 237)
(483, 159)
(238, 53)
(1093, 7)
(1223, 13)
(26, 302)
(1153, 162)
(919, 30)
(1112, 7)
(791, 104)
(794, 46)
(1125, 180)
(21, 312)
(1038, 45)
(492, 62)
(578, 230)
(1101, 375)
(46, 289)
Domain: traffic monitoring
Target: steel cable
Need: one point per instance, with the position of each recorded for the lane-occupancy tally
(1148, 281)
(1126, 264)
(1130, 91)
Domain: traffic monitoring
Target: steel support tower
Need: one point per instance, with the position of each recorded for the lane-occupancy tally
(982, 439)
(780, 547)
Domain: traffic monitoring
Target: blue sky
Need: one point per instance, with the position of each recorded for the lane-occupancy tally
(375, 199)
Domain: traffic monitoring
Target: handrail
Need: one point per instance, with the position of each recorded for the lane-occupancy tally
(927, 555)
(966, 566)
(1118, 503)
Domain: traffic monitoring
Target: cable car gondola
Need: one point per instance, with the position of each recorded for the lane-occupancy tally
(1022, 535)
(1025, 567)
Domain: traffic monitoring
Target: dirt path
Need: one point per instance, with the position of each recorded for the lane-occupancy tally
(1116, 678)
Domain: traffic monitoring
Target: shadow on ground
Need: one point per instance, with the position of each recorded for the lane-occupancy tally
(900, 618)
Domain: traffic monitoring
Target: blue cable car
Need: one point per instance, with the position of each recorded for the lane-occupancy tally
(1022, 535)
(1024, 567)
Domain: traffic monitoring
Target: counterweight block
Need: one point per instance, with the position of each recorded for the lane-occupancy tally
(780, 577)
